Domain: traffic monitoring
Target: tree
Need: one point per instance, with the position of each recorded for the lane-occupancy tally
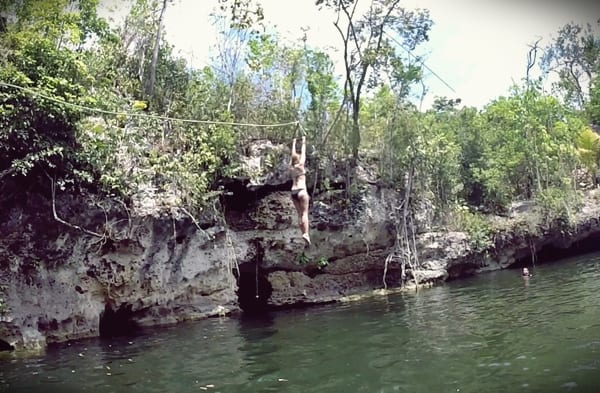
(593, 107)
(141, 37)
(529, 143)
(471, 134)
(370, 47)
(155, 51)
(232, 49)
(575, 57)
(38, 134)
(444, 104)
(588, 149)
(324, 95)
(244, 14)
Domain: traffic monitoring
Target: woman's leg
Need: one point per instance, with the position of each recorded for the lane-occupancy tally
(303, 215)
(301, 204)
(298, 206)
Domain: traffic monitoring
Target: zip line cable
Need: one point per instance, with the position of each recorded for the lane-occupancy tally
(160, 117)
(422, 62)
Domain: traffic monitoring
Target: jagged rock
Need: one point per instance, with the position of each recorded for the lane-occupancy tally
(298, 288)
(60, 283)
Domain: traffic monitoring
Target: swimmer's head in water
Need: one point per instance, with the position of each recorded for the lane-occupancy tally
(525, 271)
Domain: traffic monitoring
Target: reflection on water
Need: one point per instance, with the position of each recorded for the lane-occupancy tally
(492, 333)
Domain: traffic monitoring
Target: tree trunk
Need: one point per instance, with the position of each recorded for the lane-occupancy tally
(355, 135)
(152, 79)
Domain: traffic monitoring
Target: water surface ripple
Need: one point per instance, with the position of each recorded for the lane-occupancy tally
(492, 333)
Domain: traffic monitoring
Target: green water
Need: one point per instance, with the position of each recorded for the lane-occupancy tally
(492, 333)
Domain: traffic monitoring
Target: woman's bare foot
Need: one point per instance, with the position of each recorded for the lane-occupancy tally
(306, 239)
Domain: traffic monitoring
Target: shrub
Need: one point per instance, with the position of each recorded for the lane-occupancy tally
(476, 225)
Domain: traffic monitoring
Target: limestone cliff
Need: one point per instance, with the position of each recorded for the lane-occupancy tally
(60, 283)
(154, 265)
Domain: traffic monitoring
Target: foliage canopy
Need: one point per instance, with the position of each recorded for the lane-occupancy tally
(524, 145)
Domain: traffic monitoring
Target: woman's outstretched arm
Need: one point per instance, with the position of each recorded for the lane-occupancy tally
(303, 151)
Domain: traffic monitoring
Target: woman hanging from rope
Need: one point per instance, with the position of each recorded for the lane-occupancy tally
(299, 193)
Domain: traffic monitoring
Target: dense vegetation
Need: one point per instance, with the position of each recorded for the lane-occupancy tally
(58, 57)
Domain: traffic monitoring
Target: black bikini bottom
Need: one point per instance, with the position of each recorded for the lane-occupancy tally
(296, 193)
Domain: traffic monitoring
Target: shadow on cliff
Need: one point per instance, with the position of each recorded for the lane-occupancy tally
(254, 289)
(4, 346)
(556, 251)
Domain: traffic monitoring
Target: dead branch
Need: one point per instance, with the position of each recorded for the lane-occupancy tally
(183, 209)
(129, 222)
(57, 218)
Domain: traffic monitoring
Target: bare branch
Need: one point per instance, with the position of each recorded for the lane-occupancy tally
(57, 218)
(335, 120)
(531, 58)
(129, 222)
(365, 65)
(183, 209)
(345, 41)
(351, 28)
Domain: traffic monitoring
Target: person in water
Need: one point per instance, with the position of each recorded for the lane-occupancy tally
(525, 272)
(299, 193)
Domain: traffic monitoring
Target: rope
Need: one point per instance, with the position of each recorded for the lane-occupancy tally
(256, 278)
(420, 61)
(108, 112)
(301, 129)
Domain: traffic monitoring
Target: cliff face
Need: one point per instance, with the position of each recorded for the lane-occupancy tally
(345, 256)
(60, 283)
